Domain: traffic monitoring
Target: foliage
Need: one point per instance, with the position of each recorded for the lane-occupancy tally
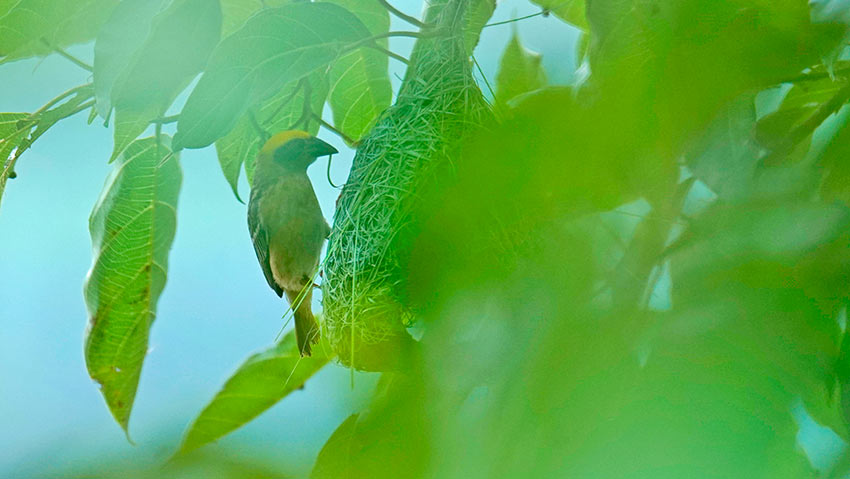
(640, 275)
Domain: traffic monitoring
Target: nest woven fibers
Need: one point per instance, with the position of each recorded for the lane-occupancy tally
(410, 150)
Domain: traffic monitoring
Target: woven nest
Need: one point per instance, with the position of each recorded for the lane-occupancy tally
(411, 148)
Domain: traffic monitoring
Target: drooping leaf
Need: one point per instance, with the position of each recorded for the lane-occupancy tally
(122, 35)
(570, 11)
(360, 81)
(478, 12)
(259, 383)
(520, 71)
(34, 27)
(142, 76)
(283, 111)
(275, 47)
(132, 227)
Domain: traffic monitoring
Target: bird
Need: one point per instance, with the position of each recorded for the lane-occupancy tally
(286, 224)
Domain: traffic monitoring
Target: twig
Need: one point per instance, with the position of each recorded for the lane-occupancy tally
(542, 12)
(68, 56)
(166, 119)
(387, 52)
(260, 130)
(407, 18)
(481, 72)
(333, 130)
(381, 36)
(59, 98)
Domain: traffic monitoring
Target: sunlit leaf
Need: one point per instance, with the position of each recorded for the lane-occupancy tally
(260, 382)
(34, 27)
(520, 71)
(570, 11)
(132, 227)
(275, 47)
(360, 81)
(282, 112)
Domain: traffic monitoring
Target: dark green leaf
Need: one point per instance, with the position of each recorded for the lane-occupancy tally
(132, 227)
(334, 461)
(259, 383)
(33, 27)
(360, 81)
(275, 47)
(520, 71)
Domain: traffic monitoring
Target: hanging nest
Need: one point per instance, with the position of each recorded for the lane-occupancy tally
(409, 152)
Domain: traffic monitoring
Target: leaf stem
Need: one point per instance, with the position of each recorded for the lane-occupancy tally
(167, 119)
(333, 130)
(398, 13)
(388, 53)
(542, 12)
(68, 56)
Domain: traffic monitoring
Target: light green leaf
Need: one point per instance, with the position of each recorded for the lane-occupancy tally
(10, 135)
(259, 383)
(175, 48)
(570, 11)
(132, 227)
(121, 36)
(360, 81)
(478, 12)
(520, 71)
(275, 47)
(32, 27)
(128, 126)
(235, 13)
(281, 112)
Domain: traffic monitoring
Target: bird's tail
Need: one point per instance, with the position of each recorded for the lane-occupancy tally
(306, 327)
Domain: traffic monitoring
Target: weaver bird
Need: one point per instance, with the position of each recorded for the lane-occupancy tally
(286, 224)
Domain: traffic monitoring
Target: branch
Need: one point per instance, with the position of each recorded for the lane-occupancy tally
(68, 56)
(542, 12)
(407, 18)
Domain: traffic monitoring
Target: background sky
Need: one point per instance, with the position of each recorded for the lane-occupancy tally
(216, 308)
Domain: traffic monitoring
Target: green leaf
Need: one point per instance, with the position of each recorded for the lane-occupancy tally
(240, 146)
(570, 11)
(334, 461)
(520, 71)
(33, 27)
(360, 81)
(129, 124)
(275, 47)
(478, 12)
(180, 41)
(11, 135)
(235, 13)
(121, 36)
(132, 228)
(259, 383)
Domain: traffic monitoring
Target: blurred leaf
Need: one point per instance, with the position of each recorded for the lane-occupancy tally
(520, 71)
(132, 227)
(282, 112)
(275, 47)
(334, 461)
(25, 25)
(835, 159)
(121, 36)
(360, 80)
(570, 11)
(236, 12)
(726, 157)
(259, 383)
(180, 41)
(478, 12)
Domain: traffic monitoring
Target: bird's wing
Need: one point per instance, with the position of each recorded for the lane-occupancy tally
(260, 237)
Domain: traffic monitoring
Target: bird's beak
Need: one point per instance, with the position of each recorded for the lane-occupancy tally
(317, 148)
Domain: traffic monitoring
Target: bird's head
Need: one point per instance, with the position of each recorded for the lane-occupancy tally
(293, 150)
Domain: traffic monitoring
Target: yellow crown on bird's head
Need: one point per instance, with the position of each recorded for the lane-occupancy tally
(280, 139)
